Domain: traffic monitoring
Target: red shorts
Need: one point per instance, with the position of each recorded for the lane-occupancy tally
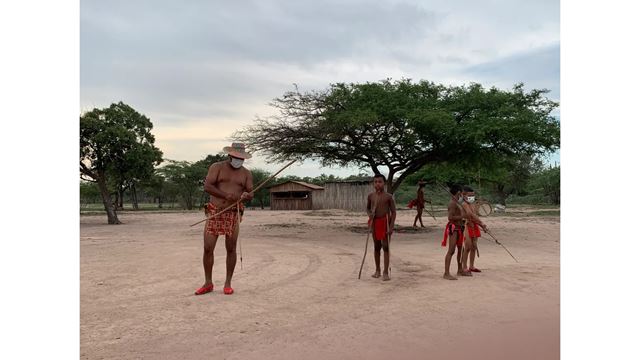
(223, 224)
(473, 230)
(379, 228)
(449, 230)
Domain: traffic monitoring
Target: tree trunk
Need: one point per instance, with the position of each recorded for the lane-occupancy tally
(262, 203)
(119, 197)
(134, 196)
(502, 195)
(112, 217)
(391, 187)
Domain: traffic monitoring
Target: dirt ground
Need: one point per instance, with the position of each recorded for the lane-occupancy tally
(298, 296)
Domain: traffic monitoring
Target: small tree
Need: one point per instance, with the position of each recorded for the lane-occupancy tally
(155, 186)
(112, 139)
(547, 183)
(262, 196)
(404, 126)
(89, 193)
(188, 178)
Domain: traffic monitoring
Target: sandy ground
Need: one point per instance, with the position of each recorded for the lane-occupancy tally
(298, 297)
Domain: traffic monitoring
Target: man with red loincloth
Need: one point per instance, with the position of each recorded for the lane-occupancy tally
(419, 203)
(381, 209)
(473, 228)
(454, 231)
(227, 183)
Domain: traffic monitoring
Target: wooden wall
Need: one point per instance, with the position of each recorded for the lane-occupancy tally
(291, 204)
(347, 196)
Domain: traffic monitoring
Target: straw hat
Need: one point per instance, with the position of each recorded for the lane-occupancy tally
(237, 150)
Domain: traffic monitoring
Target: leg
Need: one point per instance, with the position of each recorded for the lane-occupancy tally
(377, 246)
(385, 247)
(415, 220)
(474, 248)
(459, 258)
(468, 245)
(420, 217)
(230, 244)
(207, 257)
(447, 259)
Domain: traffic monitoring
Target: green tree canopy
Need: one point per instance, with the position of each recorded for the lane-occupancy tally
(402, 125)
(547, 182)
(504, 176)
(116, 142)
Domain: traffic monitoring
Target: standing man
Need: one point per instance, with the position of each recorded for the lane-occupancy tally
(227, 183)
(473, 228)
(382, 218)
(454, 230)
(420, 203)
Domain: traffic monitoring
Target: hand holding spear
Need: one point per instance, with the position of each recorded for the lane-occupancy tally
(253, 191)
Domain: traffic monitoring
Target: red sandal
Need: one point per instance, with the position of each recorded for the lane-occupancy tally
(205, 289)
(228, 290)
(474, 269)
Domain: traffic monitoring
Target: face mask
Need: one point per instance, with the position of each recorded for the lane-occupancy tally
(471, 199)
(460, 199)
(236, 163)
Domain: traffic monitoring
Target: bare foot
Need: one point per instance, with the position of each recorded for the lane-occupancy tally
(385, 277)
(376, 274)
(449, 277)
(465, 273)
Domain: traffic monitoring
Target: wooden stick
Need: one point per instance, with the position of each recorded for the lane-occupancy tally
(366, 244)
(499, 243)
(425, 209)
(494, 238)
(386, 217)
(253, 191)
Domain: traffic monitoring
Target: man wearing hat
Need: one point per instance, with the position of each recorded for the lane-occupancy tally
(227, 183)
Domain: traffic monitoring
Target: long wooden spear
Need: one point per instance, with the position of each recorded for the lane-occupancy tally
(252, 191)
(430, 213)
(366, 244)
(486, 231)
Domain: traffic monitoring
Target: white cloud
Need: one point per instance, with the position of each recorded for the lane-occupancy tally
(201, 69)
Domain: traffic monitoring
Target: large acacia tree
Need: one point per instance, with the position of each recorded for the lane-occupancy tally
(115, 140)
(402, 125)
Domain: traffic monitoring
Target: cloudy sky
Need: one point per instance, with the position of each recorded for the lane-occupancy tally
(202, 69)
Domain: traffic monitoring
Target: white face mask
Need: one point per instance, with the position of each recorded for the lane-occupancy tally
(471, 199)
(236, 163)
(460, 199)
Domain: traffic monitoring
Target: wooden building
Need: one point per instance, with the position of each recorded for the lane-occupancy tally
(347, 195)
(294, 195)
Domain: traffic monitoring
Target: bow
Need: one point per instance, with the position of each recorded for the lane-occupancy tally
(486, 231)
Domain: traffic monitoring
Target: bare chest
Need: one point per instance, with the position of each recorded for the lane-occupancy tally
(231, 178)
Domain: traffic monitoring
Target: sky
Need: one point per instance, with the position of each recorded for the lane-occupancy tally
(202, 69)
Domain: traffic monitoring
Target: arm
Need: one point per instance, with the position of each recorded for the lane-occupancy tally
(392, 210)
(370, 211)
(471, 216)
(210, 184)
(248, 187)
